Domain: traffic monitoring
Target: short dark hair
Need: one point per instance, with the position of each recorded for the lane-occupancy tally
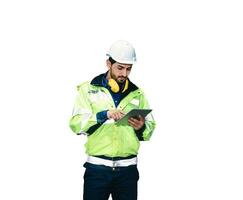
(112, 60)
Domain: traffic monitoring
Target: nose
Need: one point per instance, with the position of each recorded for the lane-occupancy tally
(124, 73)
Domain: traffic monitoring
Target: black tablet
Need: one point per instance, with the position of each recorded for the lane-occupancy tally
(133, 113)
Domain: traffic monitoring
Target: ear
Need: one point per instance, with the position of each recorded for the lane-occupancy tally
(108, 63)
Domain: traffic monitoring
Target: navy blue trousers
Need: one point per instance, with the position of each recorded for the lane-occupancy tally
(100, 182)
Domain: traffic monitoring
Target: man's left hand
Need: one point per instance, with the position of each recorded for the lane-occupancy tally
(136, 123)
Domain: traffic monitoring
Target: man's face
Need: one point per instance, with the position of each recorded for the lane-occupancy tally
(119, 71)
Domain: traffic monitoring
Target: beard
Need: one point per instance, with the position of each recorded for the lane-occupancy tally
(118, 79)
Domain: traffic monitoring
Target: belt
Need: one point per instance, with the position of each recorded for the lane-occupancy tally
(112, 163)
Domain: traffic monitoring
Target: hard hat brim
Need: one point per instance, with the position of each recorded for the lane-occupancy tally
(122, 61)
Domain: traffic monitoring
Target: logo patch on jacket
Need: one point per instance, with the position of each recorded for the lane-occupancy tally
(93, 91)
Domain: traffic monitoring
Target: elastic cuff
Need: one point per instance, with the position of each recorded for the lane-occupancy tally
(101, 117)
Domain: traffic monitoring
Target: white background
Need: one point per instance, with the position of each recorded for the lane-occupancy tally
(189, 64)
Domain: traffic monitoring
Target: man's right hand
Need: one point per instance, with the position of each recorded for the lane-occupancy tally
(115, 114)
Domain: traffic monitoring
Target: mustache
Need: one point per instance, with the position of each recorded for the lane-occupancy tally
(122, 77)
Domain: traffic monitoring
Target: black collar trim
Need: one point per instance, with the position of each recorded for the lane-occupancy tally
(98, 81)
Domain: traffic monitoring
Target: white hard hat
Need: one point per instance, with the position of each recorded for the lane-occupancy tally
(123, 52)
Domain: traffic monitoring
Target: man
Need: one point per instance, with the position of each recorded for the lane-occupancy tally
(112, 149)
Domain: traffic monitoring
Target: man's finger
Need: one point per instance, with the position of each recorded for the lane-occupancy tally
(132, 124)
(134, 120)
(122, 112)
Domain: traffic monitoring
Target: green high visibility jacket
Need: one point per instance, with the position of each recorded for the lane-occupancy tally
(107, 138)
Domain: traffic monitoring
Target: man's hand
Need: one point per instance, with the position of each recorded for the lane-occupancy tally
(137, 122)
(115, 114)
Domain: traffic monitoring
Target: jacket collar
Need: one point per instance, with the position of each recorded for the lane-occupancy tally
(101, 81)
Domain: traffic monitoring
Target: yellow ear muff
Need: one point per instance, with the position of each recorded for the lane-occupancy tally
(115, 87)
(126, 86)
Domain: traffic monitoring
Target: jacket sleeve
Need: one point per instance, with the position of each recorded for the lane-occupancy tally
(82, 116)
(150, 124)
